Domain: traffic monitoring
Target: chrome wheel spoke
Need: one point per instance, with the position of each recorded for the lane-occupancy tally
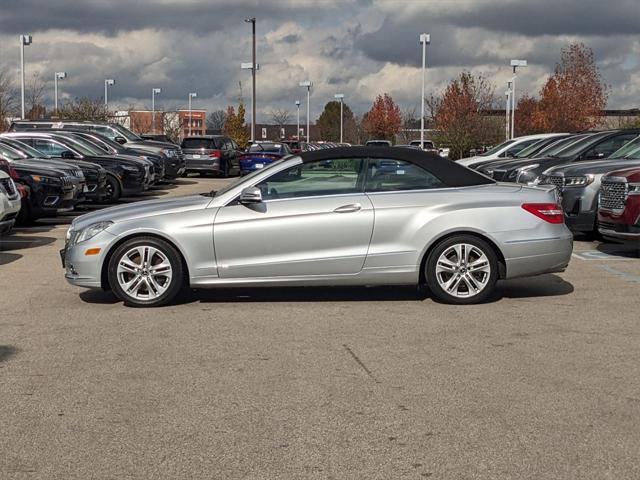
(463, 270)
(144, 272)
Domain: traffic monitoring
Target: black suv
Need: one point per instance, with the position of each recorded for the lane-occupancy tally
(174, 159)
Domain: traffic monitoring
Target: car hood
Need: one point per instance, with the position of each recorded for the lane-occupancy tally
(137, 210)
(595, 167)
(542, 162)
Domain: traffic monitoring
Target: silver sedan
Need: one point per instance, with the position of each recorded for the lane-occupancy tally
(343, 216)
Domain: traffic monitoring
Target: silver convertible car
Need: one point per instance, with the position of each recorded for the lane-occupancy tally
(343, 216)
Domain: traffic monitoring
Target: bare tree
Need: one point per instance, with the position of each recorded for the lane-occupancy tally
(84, 109)
(215, 120)
(171, 126)
(8, 99)
(34, 91)
(409, 120)
(280, 117)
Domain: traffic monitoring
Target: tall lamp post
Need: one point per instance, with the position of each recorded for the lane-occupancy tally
(250, 66)
(507, 112)
(425, 39)
(298, 122)
(154, 92)
(57, 76)
(191, 96)
(109, 82)
(25, 40)
(252, 21)
(515, 64)
(308, 84)
(340, 96)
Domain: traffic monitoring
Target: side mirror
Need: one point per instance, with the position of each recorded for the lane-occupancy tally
(68, 155)
(120, 140)
(251, 195)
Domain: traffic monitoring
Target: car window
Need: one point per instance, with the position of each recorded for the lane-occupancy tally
(396, 175)
(606, 148)
(206, 143)
(628, 149)
(106, 131)
(10, 153)
(511, 152)
(495, 150)
(48, 147)
(324, 177)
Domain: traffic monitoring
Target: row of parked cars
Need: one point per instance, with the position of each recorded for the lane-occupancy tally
(596, 174)
(54, 166)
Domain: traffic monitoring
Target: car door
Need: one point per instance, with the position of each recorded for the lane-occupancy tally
(314, 219)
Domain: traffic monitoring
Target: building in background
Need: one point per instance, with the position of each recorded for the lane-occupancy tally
(198, 122)
(285, 132)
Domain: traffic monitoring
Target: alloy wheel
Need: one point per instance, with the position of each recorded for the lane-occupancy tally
(463, 270)
(144, 272)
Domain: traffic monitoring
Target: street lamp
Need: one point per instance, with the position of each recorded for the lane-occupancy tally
(298, 122)
(252, 21)
(24, 41)
(154, 92)
(425, 39)
(57, 76)
(109, 82)
(515, 64)
(308, 84)
(506, 110)
(191, 95)
(249, 66)
(340, 96)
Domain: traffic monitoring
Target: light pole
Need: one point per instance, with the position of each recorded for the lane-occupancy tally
(154, 92)
(425, 39)
(57, 76)
(109, 82)
(506, 110)
(250, 66)
(252, 21)
(191, 96)
(308, 84)
(515, 64)
(298, 122)
(340, 96)
(24, 41)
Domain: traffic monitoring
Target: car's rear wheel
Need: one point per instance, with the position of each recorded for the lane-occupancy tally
(113, 192)
(462, 270)
(146, 272)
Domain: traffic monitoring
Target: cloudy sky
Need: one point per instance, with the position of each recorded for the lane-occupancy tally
(356, 47)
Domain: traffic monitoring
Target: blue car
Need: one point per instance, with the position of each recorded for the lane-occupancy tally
(261, 154)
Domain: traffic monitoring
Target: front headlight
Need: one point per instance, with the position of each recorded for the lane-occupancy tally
(130, 168)
(578, 181)
(88, 233)
(168, 152)
(524, 172)
(633, 188)
(46, 180)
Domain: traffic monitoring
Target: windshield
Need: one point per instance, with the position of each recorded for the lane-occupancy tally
(629, 150)
(531, 149)
(89, 144)
(265, 147)
(26, 150)
(81, 146)
(495, 150)
(126, 133)
(10, 153)
(556, 147)
(240, 180)
(580, 145)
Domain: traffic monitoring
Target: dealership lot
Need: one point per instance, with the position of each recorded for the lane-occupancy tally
(318, 382)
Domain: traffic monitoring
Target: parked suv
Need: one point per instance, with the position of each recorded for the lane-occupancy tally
(9, 200)
(619, 211)
(174, 166)
(211, 154)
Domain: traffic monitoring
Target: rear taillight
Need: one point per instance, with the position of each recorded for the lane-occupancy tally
(549, 212)
(216, 153)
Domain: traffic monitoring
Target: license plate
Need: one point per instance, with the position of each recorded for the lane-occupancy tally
(259, 165)
(195, 156)
(62, 254)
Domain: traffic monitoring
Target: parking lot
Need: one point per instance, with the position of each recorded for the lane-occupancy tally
(540, 382)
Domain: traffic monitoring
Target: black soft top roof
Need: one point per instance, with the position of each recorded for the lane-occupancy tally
(450, 172)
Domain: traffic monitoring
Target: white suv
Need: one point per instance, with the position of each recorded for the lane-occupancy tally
(9, 203)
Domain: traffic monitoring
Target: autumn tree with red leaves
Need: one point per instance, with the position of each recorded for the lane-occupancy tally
(460, 115)
(384, 120)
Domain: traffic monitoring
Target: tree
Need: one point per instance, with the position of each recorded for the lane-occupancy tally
(34, 91)
(573, 98)
(215, 120)
(8, 100)
(280, 117)
(409, 122)
(84, 109)
(528, 116)
(459, 115)
(234, 125)
(329, 123)
(384, 119)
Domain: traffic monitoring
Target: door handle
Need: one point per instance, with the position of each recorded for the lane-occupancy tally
(353, 207)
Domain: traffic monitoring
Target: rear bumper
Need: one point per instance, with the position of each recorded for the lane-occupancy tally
(539, 256)
(203, 165)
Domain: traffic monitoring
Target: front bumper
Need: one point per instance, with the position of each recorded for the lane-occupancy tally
(85, 270)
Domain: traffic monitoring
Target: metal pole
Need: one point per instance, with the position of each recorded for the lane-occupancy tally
(341, 114)
(106, 102)
(253, 83)
(22, 73)
(189, 114)
(507, 112)
(513, 104)
(55, 90)
(153, 111)
(424, 66)
(308, 103)
(298, 123)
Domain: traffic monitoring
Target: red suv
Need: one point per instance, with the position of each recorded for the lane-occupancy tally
(619, 206)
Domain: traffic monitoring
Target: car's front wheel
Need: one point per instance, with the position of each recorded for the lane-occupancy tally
(462, 270)
(146, 272)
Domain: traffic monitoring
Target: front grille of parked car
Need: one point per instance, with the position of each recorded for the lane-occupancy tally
(9, 187)
(606, 226)
(78, 173)
(67, 182)
(613, 194)
(555, 180)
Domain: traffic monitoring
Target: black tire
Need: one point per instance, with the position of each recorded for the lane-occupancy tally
(175, 285)
(224, 173)
(25, 215)
(113, 191)
(490, 277)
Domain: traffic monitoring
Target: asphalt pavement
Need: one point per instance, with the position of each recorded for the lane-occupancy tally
(346, 383)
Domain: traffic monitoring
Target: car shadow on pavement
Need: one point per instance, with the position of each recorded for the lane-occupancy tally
(6, 352)
(17, 242)
(541, 286)
(620, 250)
(183, 181)
(7, 258)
